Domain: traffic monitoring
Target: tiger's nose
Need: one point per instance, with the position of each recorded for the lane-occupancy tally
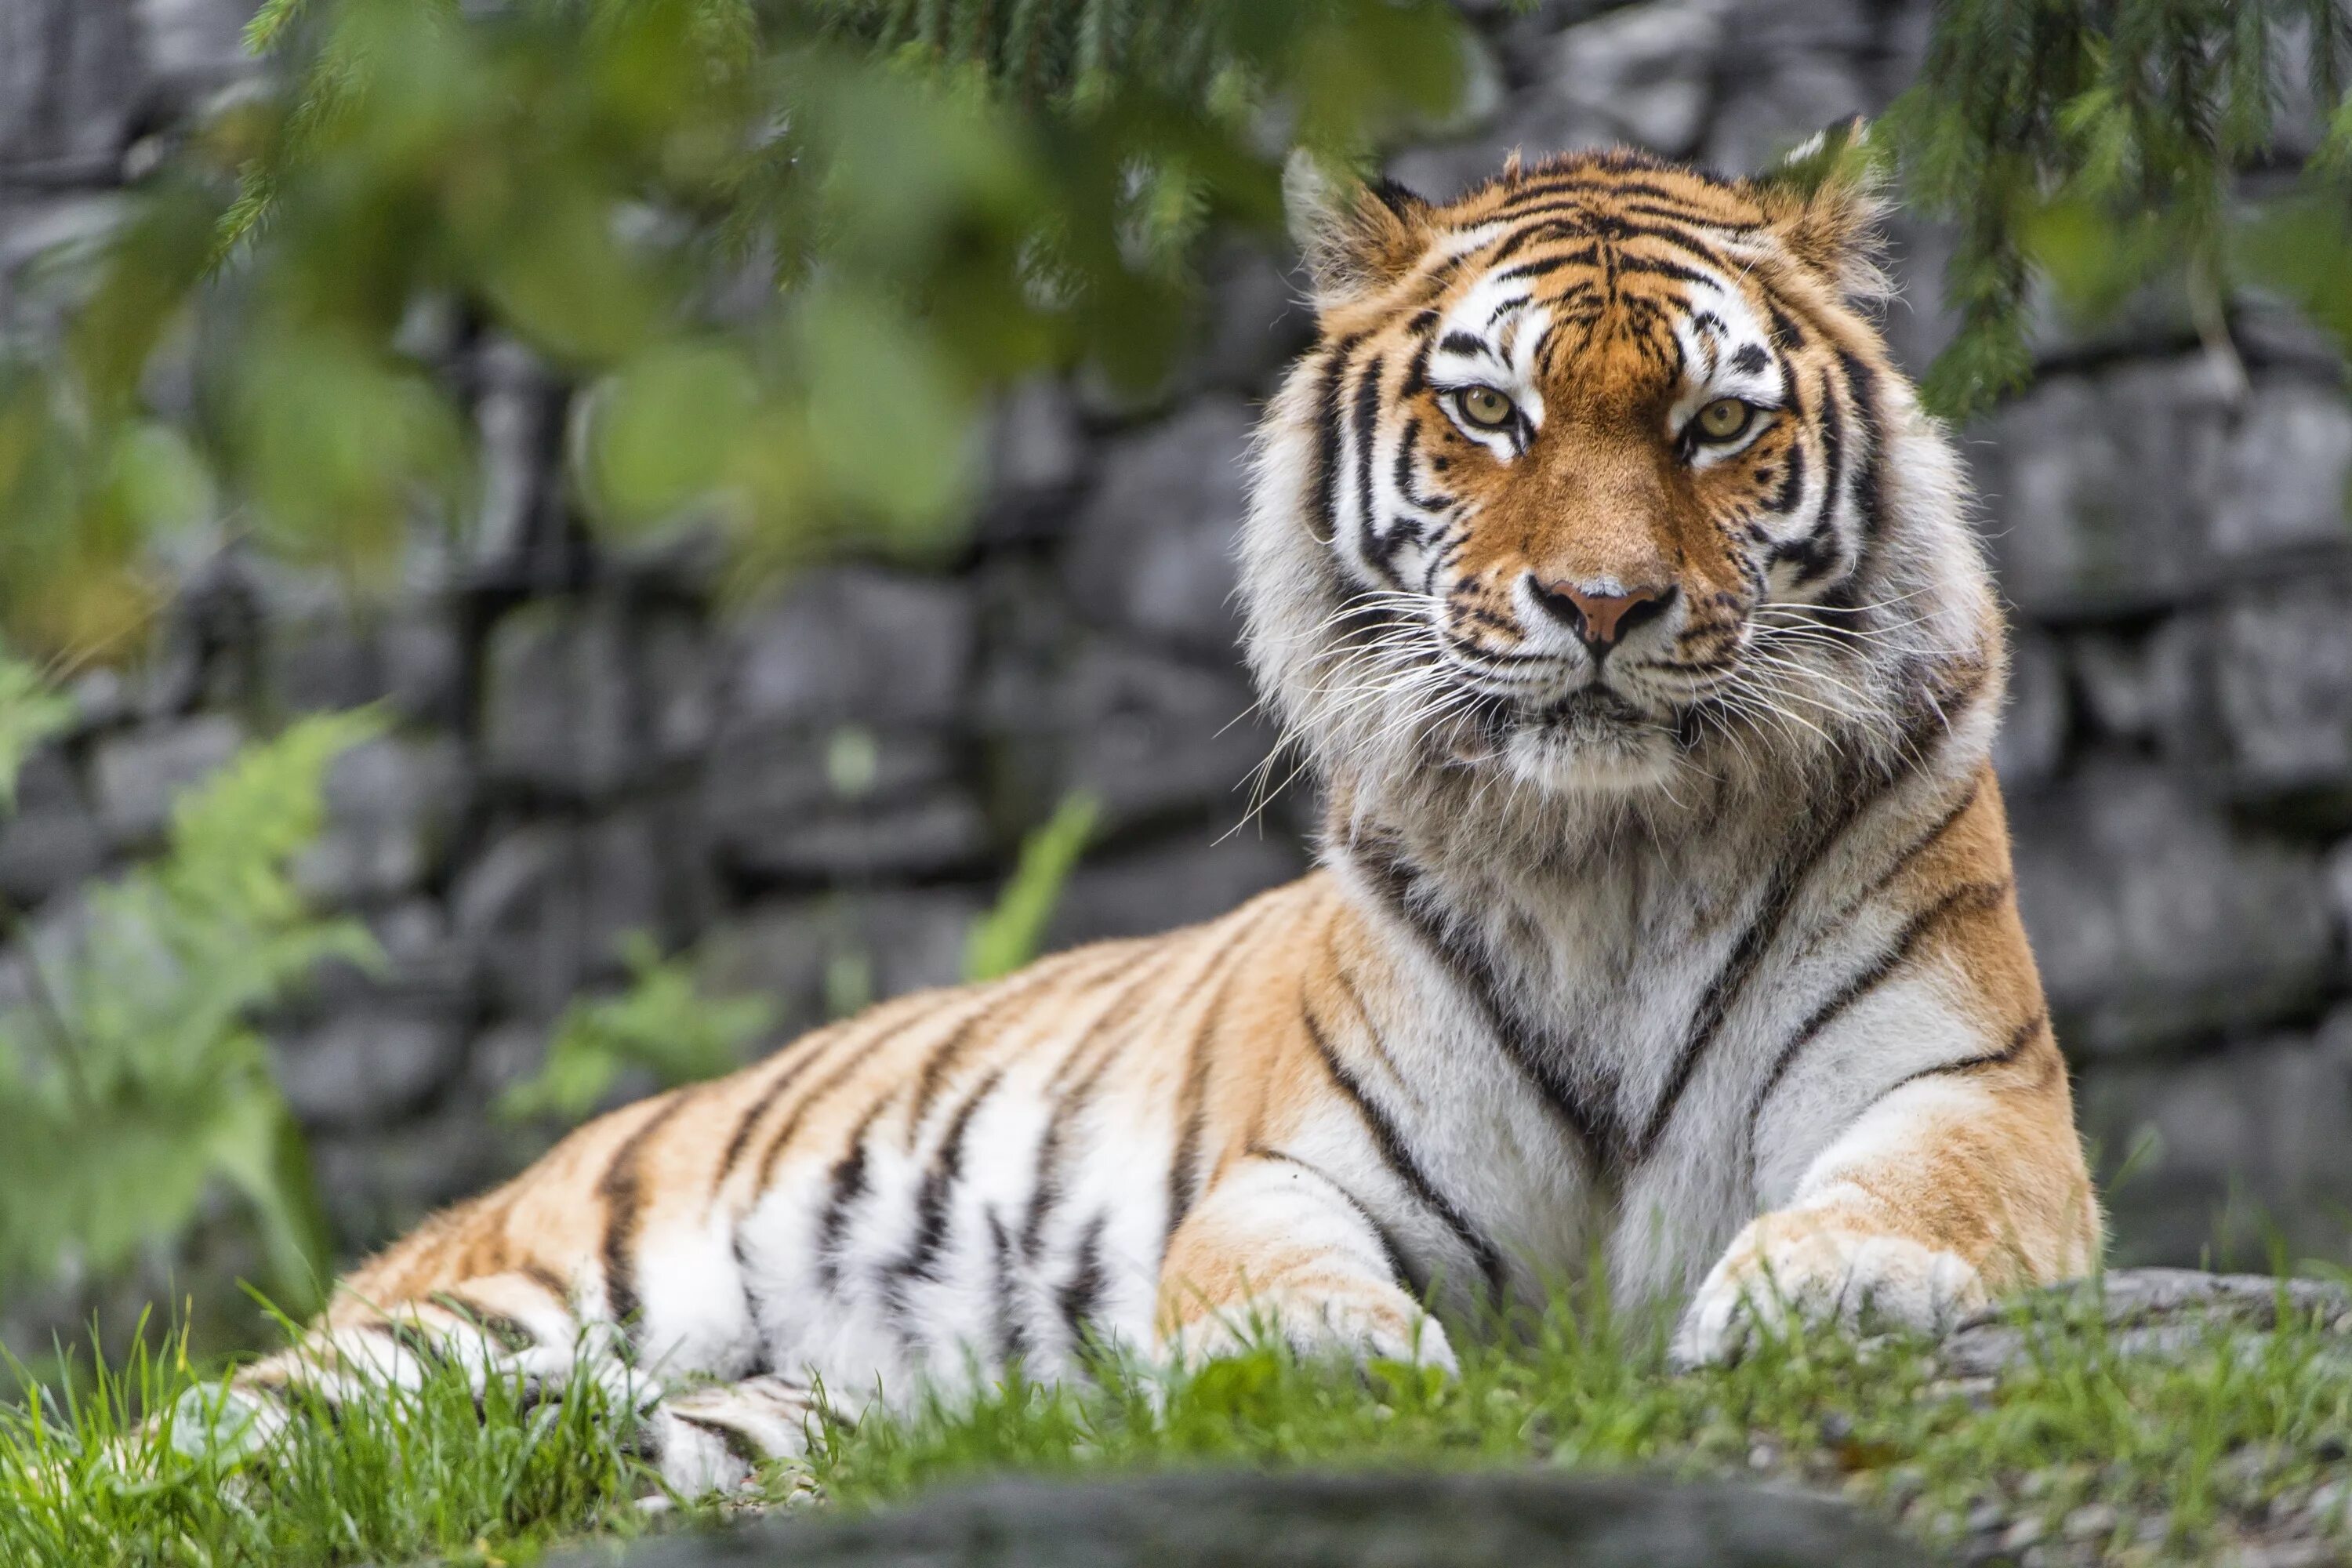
(1599, 619)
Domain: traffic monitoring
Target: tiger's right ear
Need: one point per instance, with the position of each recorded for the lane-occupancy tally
(1356, 238)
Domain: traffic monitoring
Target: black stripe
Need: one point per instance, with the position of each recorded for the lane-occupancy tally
(1046, 1185)
(1366, 426)
(1399, 1159)
(1462, 342)
(1327, 437)
(1192, 1111)
(1750, 359)
(847, 1185)
(1401, 1273)
(1012, 1332)
(2018, 1038)
(1731, 981)
(934, 1201)
(1081, 1294)
(1870, 482)
(1968, 897)
(1520, 1045)
(509, 1335)
(622, 1193)
(766, 1099)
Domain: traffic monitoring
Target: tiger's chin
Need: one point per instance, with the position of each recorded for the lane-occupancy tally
(1593, 742)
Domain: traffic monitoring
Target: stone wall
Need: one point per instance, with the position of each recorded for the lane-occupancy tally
(826, 789)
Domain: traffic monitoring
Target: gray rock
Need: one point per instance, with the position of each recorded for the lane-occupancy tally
(2099, 487)
(392, 805)
(2155, 921)
(1254, 1520)
(411, 660)
(2164, 1311)
(52, 839)
(826, 956)
(559, 711)
(139, 773)
(1775, 109)
(546, 904)
(70, 76)
(2248, 1147)
(1188, 879)
(1642, 74)
(849, 803)
(853, 645)
(2031, 741)
(2282, 661)
(362, 1068)
(1153, 737)
(1155, 546)
(2284, 473)
(2153, 688)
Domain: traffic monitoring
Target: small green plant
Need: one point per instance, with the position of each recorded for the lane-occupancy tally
(2100, 146)
(132, 1077)
(1008, 935)
(140, 1463)
(664, 1022)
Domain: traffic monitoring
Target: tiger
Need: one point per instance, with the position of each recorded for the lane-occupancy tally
(1622, 599)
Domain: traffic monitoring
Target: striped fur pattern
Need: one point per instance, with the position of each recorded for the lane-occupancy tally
(1664, 915)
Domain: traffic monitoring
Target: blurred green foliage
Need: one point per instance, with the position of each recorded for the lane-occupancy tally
(783, 248)
(2100, 145)
(131, 1077)
(663, 1024)
(1013, 932)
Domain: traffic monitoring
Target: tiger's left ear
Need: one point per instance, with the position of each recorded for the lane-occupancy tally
(1356, 238)
(1824, 202)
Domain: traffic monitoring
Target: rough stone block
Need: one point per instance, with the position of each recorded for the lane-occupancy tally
(558, 700)
(1643, 74)
(370, 1067)
(2283, 665)
(823, 956)
(546, 904)
(1151, 736)
(2136, 487)
(2246, 1139)
(52, 839)
(2098, 488)
(1182, 880)
(1155, 547)
(1256, 1519)
(2155, 921)
(853, 645)
(2285, 473)
(2031, 740)
(139, 773)
(849, 803)
(70, 80)
(411, 661)
(392, 805)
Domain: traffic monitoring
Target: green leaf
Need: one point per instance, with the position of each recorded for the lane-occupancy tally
(1010, 933)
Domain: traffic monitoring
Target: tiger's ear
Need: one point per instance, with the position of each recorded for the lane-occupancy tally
(1355, 238)
(1824, 202)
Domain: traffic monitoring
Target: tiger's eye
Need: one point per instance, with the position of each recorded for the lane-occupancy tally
(1485, 407)
(1722, 419)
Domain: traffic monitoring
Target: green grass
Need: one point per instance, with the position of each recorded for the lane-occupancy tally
(2188, 1452)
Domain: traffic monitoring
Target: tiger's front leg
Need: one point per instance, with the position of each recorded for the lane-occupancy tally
(1955, 1187)
(1276, 1250)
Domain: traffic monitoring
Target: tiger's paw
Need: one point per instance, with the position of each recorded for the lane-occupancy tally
(1799, 1268)
(1363, 1330)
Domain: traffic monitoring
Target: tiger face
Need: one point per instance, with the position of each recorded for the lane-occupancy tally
(1595, 457)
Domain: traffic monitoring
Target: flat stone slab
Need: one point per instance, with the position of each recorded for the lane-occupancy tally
(1256, 1519)
(2145, 1310)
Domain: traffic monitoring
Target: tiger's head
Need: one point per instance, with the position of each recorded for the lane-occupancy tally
(1599, 480)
